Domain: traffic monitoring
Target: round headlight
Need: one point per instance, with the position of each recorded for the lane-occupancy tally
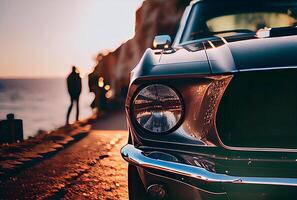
(157, 108)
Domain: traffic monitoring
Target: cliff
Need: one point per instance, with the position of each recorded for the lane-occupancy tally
(153, 18)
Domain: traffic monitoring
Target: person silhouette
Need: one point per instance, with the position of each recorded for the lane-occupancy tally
(74, 90)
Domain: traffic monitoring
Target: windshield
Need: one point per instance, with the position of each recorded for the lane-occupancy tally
(209, 19)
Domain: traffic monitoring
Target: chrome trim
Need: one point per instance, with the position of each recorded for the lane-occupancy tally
(195, 1)
(266, 68)
(181, 28)
(265, 149)
(137, 157)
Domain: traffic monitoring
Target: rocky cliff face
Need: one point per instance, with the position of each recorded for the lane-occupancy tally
(154, 17)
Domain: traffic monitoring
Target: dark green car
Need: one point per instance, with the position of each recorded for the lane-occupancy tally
(213, 115)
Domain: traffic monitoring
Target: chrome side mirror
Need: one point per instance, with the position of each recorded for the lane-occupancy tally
(162, 42)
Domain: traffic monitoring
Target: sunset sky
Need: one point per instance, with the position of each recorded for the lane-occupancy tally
(44, 38)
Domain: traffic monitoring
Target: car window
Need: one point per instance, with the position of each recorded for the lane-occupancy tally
(206, 19)
(250, 21)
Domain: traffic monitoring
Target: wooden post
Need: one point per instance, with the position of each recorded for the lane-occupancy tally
(11, 129)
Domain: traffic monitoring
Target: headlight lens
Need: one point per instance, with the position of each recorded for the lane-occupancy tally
(157, 108)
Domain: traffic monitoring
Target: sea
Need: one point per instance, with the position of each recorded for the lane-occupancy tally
(42, 104)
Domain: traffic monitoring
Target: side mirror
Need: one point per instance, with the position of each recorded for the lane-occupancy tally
(162, 42)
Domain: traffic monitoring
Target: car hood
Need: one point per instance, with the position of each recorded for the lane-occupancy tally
(252, 53)
(238, 53)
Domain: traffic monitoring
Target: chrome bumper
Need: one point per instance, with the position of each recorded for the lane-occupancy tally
(136, 157)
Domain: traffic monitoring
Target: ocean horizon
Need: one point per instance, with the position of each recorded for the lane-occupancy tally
(41, 103)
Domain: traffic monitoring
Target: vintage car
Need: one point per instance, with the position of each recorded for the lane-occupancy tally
(213, 115)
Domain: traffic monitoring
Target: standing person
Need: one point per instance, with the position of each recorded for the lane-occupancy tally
(74, 90)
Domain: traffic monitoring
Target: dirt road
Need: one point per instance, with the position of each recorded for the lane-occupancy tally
(92, 168)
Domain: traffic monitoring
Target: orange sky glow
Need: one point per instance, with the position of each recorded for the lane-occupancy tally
(44, 38)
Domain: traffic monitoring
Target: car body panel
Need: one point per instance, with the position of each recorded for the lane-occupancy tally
(151, 66)
(265, 52)
(223, 56)
(183, 55)
(200, 72)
